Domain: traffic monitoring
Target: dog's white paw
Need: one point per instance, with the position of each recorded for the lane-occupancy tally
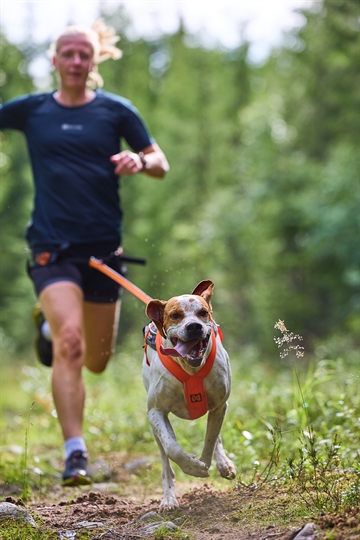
(169, 502)
(193, 466)
(226, 469)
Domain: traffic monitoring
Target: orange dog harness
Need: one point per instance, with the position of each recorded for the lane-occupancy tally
(194, 390)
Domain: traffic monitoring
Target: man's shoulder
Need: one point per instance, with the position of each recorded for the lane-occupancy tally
(28, 100)
(33, 97)
(116, 101)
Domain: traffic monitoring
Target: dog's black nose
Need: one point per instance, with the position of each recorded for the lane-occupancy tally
(194, 329)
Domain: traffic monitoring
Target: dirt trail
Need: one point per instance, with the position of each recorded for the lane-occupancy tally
(205, 514)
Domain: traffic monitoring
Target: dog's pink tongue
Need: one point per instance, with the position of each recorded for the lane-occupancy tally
(182, 348)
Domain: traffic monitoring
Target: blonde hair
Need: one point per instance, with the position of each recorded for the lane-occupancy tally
(102, 39)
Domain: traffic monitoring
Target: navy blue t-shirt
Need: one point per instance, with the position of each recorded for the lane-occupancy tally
(76, 190)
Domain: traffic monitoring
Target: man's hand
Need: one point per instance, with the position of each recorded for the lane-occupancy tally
(127, 163)
(130, 163)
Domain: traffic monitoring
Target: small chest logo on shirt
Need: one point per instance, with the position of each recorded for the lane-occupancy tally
(72, 127)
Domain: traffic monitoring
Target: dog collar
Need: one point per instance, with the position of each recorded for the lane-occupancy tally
(195, 394)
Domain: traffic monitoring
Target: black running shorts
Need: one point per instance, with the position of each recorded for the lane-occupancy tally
(70, 263)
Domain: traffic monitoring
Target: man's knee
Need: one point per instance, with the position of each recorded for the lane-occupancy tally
(96, 368)
(71, 344)
(98, 364)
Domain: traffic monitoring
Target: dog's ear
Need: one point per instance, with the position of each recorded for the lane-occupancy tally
(204, 289)
(155, 311)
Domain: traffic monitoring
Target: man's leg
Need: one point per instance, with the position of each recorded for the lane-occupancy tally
(62, 304)
(81, 333)
(101, 325)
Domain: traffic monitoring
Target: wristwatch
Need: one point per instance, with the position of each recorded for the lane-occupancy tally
(143, 160)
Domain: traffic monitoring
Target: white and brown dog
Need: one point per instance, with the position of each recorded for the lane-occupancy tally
(186, 371)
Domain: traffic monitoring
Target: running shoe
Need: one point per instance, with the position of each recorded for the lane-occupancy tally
(43, 347)
(75, 473)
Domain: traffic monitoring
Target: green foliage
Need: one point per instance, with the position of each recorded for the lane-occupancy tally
(15, 205)
(262, 196)
(275, 417)
(12, 530)
(165, 532)
(250, 201)
(318, 478)
(322, 76)
(351, 496)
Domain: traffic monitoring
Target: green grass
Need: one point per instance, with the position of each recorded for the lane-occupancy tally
(284, 419)
(11, 530)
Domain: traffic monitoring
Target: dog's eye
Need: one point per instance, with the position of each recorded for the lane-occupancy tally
(175, 316)
(203, 313)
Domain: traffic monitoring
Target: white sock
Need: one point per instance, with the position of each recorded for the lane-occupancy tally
(45, 330)
(73, 444)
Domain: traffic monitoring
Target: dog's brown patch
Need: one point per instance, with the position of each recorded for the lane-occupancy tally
(172, 308)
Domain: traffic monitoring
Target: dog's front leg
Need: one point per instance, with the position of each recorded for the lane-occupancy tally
(224, 465)
(169, 501)
(164, 432)
(214, 423)
(213, 442)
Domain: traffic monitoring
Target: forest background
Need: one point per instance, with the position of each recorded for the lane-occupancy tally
(263, 192)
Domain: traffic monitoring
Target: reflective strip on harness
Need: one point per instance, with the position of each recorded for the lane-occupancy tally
(194, 391)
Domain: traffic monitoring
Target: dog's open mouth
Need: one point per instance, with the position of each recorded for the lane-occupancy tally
(193, 350)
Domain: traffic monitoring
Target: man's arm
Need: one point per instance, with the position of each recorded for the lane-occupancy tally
(13, 113)
(151, 161)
